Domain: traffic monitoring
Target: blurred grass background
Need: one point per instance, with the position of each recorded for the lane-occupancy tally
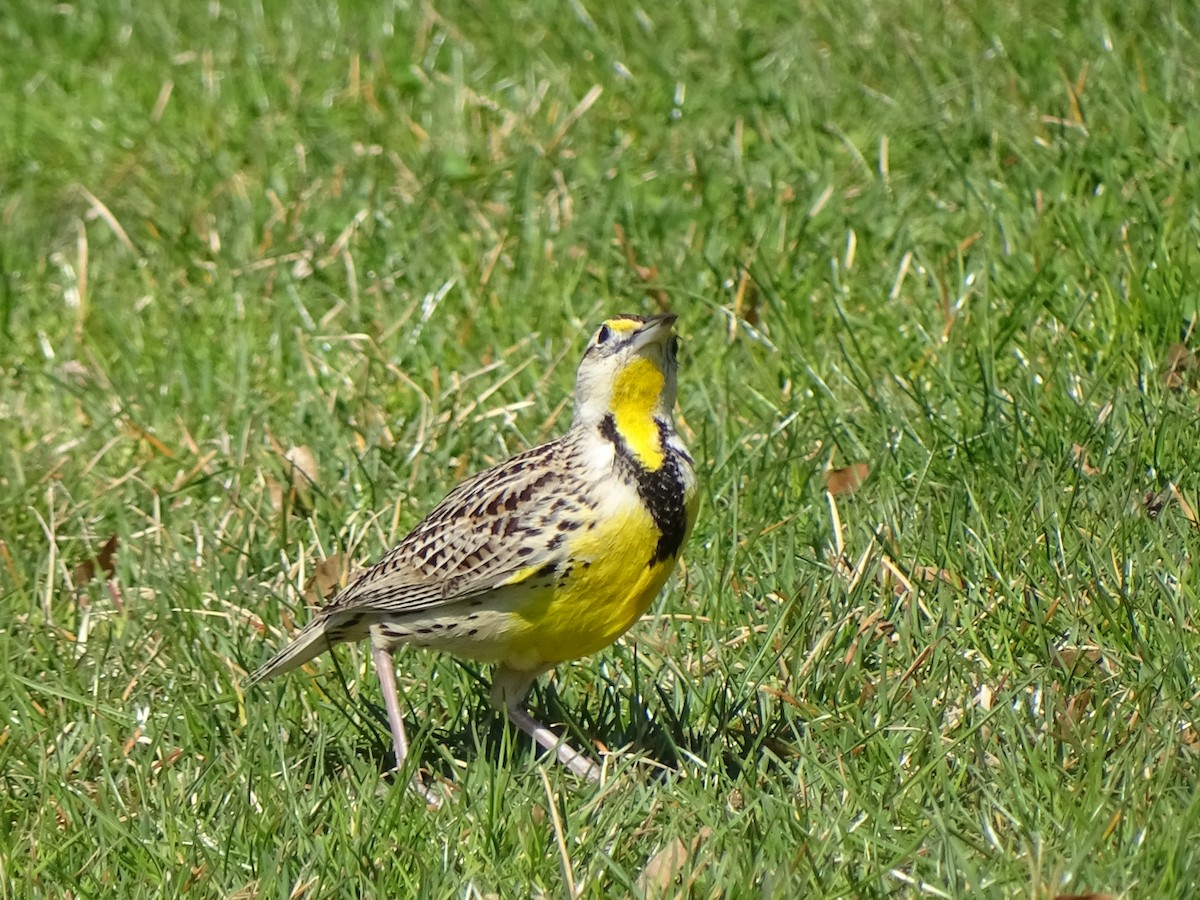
(273, 277)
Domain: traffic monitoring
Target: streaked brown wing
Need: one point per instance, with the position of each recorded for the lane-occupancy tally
(485, 531)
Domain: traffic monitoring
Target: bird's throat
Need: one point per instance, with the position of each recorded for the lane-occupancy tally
(637, 392)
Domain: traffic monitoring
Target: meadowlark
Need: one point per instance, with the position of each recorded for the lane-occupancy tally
(546, 557)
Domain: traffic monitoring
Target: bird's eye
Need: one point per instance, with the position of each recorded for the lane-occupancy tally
(603, 334)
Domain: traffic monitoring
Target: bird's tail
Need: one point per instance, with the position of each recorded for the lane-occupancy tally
(314, 639)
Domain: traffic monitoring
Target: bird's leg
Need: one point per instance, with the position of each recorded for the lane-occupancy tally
(391, 699)
(509, 690)
(567, 755)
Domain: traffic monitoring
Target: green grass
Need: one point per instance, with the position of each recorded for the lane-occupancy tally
(953, 242)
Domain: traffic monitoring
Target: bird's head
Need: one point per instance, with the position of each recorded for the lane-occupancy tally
(628, 373)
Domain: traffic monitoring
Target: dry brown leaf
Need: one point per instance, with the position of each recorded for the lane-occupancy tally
(933, 573)
(249, 891)
(167, 761)
(1080, 456)
(326, 577)
(847, 479)
(1180, 360)
(746, 300)
(198, 873)
(10, 564)
(663, 874)
(1077, 660)
(107, 552)
(142, 434)
(274, 492)
(302, 467)
(1184, 505)
(781, 695)
(84, 572)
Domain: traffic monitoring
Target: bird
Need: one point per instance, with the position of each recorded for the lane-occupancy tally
(546, 557)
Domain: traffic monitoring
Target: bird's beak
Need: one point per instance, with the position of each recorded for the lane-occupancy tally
(654, 331)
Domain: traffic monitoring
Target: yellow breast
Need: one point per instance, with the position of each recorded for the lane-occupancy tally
(610, 587)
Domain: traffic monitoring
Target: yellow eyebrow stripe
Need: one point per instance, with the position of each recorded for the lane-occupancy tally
(624, 326)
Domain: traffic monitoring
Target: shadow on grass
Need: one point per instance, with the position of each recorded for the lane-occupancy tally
(670, 735)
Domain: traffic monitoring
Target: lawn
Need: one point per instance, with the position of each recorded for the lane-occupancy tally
(275, 276)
